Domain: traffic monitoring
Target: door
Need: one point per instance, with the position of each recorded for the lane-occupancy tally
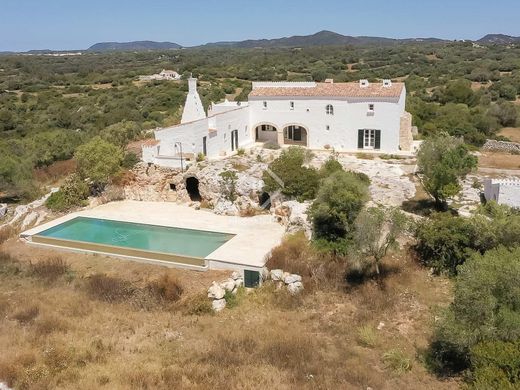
(204, 145)
(297, 134)
(369, 139)
(251, 278)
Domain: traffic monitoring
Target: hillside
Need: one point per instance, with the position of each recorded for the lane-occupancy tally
(133, 46)
(322, 38)
(499, 39)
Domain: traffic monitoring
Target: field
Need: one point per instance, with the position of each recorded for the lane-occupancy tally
(513, 133)
(59, 329)
(499, 160)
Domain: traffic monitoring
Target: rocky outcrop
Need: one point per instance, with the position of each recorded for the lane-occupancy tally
(293, 215)
(3, 210)
(292, 282)
(30, 214)
(492, 145)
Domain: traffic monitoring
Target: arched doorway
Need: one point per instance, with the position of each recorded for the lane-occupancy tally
(266, 133)
(192, 186)
(295, 135)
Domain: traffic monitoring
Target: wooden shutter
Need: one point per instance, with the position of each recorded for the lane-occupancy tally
(377, 143)
(360, 138)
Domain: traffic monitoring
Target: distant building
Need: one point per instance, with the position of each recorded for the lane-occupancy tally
(359, 116)
(169, 75)
(506, 192)
(163, 75)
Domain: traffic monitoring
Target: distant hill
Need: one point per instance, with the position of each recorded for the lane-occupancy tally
(322, 38)
(133, 46)
(499, 39)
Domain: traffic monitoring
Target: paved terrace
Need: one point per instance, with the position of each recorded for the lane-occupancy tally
(253, 241)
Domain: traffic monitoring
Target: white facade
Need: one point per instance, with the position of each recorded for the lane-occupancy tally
(343, 116)
(505, 192)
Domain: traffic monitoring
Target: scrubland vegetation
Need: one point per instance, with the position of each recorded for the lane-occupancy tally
(390, 301)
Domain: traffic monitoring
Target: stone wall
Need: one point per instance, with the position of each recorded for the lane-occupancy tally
(501, 146)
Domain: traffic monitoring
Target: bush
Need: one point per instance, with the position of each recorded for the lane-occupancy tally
(98, 160)
(486, 308)
(72, 193)
(129, 160)
(167, 288)
(27, 314)
(49, 269)
(290, 177)
(339, 200)
(367, 336)
(495, 365)
(109, 289)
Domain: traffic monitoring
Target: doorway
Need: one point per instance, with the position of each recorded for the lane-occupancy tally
(192, 186)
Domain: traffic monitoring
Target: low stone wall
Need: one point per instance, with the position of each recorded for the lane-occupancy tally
(501, 146)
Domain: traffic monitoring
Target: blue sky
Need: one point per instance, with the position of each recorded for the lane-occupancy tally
(73, 24)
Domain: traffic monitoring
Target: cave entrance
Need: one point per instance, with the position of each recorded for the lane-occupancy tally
(192, 186)
(264, 200)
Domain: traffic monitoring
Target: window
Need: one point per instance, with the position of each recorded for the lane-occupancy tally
(268, 128)
(371, 107)
(327, 127)
(291, 105)
(369, 139)
(329, 109)
(265, 105)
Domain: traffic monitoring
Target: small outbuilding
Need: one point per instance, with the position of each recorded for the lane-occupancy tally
(503, 191)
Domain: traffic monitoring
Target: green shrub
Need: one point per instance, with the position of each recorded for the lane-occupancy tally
(486, 308)
(290, 176)
(367, 336)
(495, 365)
(201, 157)
(129, 160)
(338, 202)
(72, 193)
(241, 151)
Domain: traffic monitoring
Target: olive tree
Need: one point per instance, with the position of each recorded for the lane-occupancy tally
(444, 160)
(377, 230)
(98, 160)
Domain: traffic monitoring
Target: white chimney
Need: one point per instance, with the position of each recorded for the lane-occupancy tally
(363, 83)
(192, 85)
(387, 83)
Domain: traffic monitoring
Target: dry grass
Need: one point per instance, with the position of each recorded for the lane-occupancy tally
(49, 269)
(55, 172)
(499, 160)
(80, 338)
(513, 133)
(6, 233)
(295, 255)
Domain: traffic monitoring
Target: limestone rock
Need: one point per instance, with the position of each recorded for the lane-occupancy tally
(264, 273)
(218, 305)
(295, 288)
(29, 219)
(3, 210)
(239, 283)
(236, 275)
(293, 215)
(292, 278)
(225, 207)
(228, 285)
(216, 291)
(276, 274)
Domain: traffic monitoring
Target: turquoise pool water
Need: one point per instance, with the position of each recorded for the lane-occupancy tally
(184, 242)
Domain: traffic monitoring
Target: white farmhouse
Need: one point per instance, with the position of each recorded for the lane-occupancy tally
(503, 191)
(348, 117)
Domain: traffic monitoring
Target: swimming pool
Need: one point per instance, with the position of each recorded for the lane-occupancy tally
(134, 239)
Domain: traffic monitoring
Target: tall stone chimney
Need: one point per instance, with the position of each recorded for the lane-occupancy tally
(193, 109)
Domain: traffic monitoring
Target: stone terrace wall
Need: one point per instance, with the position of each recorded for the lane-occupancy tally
(501, 146)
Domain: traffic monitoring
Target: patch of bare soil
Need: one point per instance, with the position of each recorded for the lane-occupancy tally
(499, 160)
(513, 133)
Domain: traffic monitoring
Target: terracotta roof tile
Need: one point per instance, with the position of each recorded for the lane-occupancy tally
(342, 90)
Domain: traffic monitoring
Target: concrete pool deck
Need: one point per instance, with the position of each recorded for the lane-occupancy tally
(254, 236)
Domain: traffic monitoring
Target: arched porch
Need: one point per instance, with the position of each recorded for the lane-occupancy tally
(295, 135)
(266, 132)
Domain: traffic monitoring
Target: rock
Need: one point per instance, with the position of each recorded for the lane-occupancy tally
(239, 283)
(381, 325)
(292, 278)
(264, 273)
(228, 285)
(216, 292)
(29, 219)
(236, 275)
(3, 210)
(225, 207)
(295, 288)
(276, 274)
(218, 304)
(294, 216)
